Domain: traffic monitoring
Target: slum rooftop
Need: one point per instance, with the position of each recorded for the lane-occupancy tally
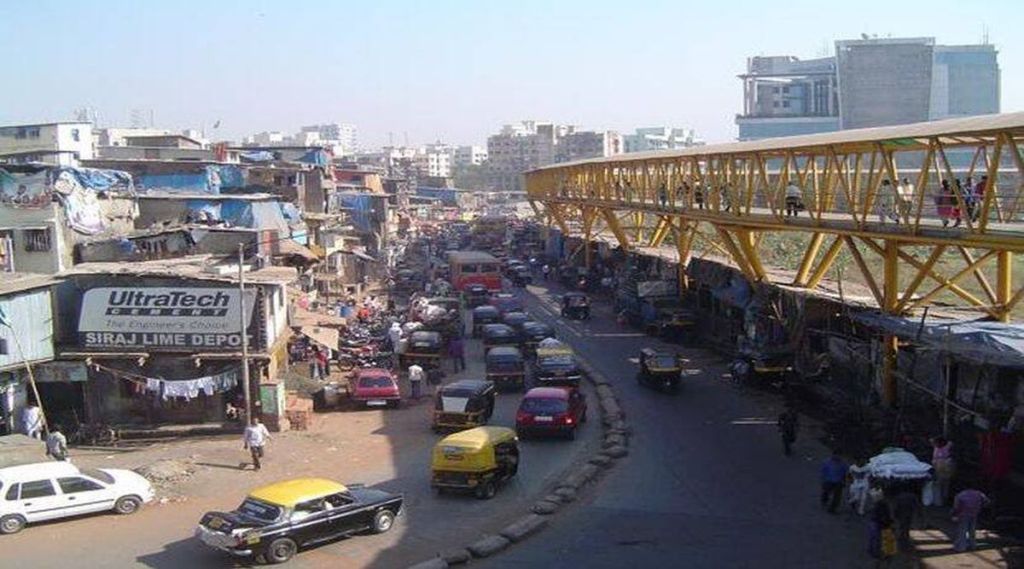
(197, 267)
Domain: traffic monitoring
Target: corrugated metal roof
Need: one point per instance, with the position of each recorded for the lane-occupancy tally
(960, 127)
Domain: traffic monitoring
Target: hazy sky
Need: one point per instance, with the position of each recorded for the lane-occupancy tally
(444, 69)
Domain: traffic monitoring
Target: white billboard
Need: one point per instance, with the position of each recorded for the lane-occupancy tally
(163, 317)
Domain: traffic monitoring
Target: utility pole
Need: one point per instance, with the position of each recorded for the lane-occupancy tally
(245, 334)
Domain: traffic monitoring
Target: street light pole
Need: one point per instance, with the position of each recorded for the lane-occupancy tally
(245, 334)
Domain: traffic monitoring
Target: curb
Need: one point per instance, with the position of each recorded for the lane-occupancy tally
(613, 447)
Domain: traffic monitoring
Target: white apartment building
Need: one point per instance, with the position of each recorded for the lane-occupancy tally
(57, 143)
(435, 161)
(660, 138)
(342, 138)
(266, 138)
(470, 156)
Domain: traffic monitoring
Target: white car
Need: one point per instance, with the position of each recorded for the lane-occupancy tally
(50, 490)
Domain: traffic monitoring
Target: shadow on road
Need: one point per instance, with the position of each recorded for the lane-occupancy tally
(189, 553)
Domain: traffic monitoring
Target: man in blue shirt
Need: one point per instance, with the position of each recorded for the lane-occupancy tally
(833, 475)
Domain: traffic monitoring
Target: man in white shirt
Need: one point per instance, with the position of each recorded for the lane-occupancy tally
(32, 421)
(256, 435)
(57, 444)
(416, 377)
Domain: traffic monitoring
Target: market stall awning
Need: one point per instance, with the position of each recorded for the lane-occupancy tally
(327, 337)
(302, 317)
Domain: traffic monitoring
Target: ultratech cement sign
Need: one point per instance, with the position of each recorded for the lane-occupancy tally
(168, 318)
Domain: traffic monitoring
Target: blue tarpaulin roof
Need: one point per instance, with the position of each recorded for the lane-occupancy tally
(984, 342)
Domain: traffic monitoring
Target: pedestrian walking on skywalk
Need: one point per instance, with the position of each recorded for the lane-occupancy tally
(789, 425)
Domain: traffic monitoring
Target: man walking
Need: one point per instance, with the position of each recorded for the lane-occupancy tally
(833, 475)
(967, 506)
(57, 444)
(789, 424)
(416, 377)
(457, 352)
(255, 437)
(904, 508)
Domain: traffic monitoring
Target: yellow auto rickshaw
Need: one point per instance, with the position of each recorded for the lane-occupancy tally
(476, 460)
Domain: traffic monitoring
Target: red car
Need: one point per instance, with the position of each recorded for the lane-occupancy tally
(551, 410)
(374, 387)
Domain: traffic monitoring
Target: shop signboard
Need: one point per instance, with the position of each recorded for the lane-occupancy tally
(163, 318)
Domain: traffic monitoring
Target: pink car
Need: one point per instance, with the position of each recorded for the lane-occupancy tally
(374, 387)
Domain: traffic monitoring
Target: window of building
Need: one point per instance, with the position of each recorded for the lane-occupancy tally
(75, 136)
(37, 240)
(151, 153)
(33, 132)
(785, 90)
(775, 104)
(785, 104)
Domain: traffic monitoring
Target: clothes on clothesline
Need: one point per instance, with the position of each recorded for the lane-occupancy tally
(190, 388)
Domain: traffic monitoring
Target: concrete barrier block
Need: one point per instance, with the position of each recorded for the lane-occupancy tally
(435, 563)
(590, 471)
(601, 460)
(546, 507)
(613, 441)
(456, 556)
(488, 546)
(604, 391)
(566, 493)
(523, 527)
(617, 451)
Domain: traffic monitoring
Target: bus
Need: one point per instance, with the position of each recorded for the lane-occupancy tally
(474, 267)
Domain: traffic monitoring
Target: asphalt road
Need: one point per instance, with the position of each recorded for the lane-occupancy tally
(705, 485)
(385, 448)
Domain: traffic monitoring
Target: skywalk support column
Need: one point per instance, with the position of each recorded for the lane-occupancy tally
(890, 343)
(1004, 284)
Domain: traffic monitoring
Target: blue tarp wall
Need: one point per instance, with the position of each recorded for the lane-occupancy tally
(360, 208)
(446, 195)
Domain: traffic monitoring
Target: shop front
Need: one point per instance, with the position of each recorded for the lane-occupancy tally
(164, 351)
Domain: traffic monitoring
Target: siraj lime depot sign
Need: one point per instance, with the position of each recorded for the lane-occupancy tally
(163, 318)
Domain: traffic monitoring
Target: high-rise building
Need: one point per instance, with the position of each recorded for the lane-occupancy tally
(884, 81)
(784, 96)
(869, 82)
(653, 138)
(469, 156)
(965, 81)
(527, 145)
(584, 144)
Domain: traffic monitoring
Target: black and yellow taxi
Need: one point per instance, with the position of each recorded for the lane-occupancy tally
(275, 521)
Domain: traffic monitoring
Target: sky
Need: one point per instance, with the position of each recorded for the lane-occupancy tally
(446, 70)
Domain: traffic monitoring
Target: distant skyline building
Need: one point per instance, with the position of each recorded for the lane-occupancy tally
(56, 143)
(869, 82)
(341, 139)
(583, 144)
(470, 155)
(648, 139)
